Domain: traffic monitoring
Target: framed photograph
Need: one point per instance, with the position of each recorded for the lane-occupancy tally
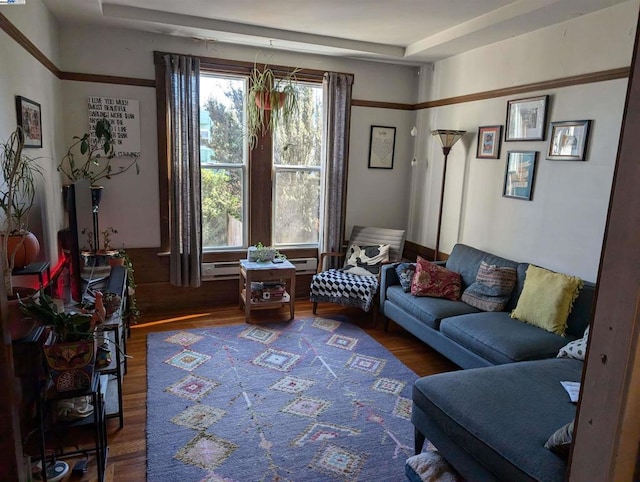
(381, 147)
(568, 140)
(489, 138)
(526, 119)
(519, 174)
(30, 120)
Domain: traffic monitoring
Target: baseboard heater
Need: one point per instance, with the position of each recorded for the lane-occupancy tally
(223, 270)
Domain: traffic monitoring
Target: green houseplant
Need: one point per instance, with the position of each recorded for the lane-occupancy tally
(17, 197)
(272, 101)
(91, 159)
(71, 356)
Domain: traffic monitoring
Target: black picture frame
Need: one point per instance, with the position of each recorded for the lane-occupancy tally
(519, 174)
(568, 140)
(29, 118)
(526, 119)
(489, 140)
(382, 144)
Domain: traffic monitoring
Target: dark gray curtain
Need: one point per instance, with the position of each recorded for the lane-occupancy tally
(185, 227)
(337, 102)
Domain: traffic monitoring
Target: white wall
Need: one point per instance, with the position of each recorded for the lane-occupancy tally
(22, 75)
(134, 210)
(562, 227)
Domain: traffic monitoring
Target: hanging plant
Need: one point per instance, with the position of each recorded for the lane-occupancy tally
(272, 101)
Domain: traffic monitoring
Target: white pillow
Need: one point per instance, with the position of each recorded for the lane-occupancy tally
(576, 349)
(366, 260)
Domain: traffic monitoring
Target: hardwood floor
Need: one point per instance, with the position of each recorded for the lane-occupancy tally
(127, 446)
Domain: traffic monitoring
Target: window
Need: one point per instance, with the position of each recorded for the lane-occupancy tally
(297, 165)
(223, 161)
(279, 184)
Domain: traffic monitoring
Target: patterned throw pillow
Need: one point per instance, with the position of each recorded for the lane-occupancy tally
(366, 260)
(576, 349)
(492, 288)
(435, 281)
(547, 299)
(560, 441)
(405, 272)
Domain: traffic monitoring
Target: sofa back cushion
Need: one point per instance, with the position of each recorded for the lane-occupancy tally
(466, 261)
(492, 289)
(580, 314)
(547, 299)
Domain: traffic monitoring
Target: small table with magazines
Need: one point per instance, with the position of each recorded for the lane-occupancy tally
(264, 285)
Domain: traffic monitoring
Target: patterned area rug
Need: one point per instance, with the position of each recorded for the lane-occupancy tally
(310, 400)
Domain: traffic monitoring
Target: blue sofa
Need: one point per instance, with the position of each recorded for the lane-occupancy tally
(467, 336)
(491, 424)
(491, 420)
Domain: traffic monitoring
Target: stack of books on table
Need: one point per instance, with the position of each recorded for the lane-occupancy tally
(267, 291)
(275, 290)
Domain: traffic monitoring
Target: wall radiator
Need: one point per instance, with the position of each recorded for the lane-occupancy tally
(230, 269)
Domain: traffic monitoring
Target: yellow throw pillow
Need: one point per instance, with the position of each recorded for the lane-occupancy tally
(547, 299)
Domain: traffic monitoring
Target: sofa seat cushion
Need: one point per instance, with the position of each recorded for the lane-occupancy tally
(503, 415)
(500, 339)
(430, 310)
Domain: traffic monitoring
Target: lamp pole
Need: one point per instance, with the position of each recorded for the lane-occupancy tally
(447, 138)
(445, 151)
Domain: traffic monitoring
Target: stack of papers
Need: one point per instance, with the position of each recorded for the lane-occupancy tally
(573, 389)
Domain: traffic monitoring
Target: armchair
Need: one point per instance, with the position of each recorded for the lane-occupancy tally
(357, 284)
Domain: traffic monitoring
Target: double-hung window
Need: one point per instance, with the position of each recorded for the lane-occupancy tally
(238, 199)
(223, 161)
(297, 173)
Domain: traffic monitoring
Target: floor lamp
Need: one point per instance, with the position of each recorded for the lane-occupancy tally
(447, 139)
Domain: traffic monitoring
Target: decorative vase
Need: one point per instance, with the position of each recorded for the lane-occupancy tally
(71, 364)
(26, 248)
(268, 100)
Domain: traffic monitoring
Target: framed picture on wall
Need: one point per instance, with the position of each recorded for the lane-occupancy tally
(489, 138)
(526, 119)
(568, 140)
(29, 118)
(519, 174)
(381, 147)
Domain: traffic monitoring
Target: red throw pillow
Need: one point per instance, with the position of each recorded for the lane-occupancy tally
(436, 281)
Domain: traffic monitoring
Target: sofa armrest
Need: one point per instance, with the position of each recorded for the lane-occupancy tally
(388, 277)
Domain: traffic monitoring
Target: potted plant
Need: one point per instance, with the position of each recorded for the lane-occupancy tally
(132, 307)
(91, 159)
(272, 101)
(17, 195)
(71, 356)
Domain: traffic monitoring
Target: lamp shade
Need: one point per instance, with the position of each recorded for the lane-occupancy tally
(448, 137)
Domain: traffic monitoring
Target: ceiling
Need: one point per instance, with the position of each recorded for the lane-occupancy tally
(396, 31)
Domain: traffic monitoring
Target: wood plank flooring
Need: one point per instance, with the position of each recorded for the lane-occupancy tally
(127, 446)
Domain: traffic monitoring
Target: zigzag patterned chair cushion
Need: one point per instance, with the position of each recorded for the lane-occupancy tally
(343, 288)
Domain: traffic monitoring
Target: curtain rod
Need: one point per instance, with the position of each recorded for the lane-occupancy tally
(239, 66)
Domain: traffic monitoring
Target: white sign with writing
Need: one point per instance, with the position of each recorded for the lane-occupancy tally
(124, 116)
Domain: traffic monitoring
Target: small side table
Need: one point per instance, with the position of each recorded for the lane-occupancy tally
(35, 269)
(251, 271)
